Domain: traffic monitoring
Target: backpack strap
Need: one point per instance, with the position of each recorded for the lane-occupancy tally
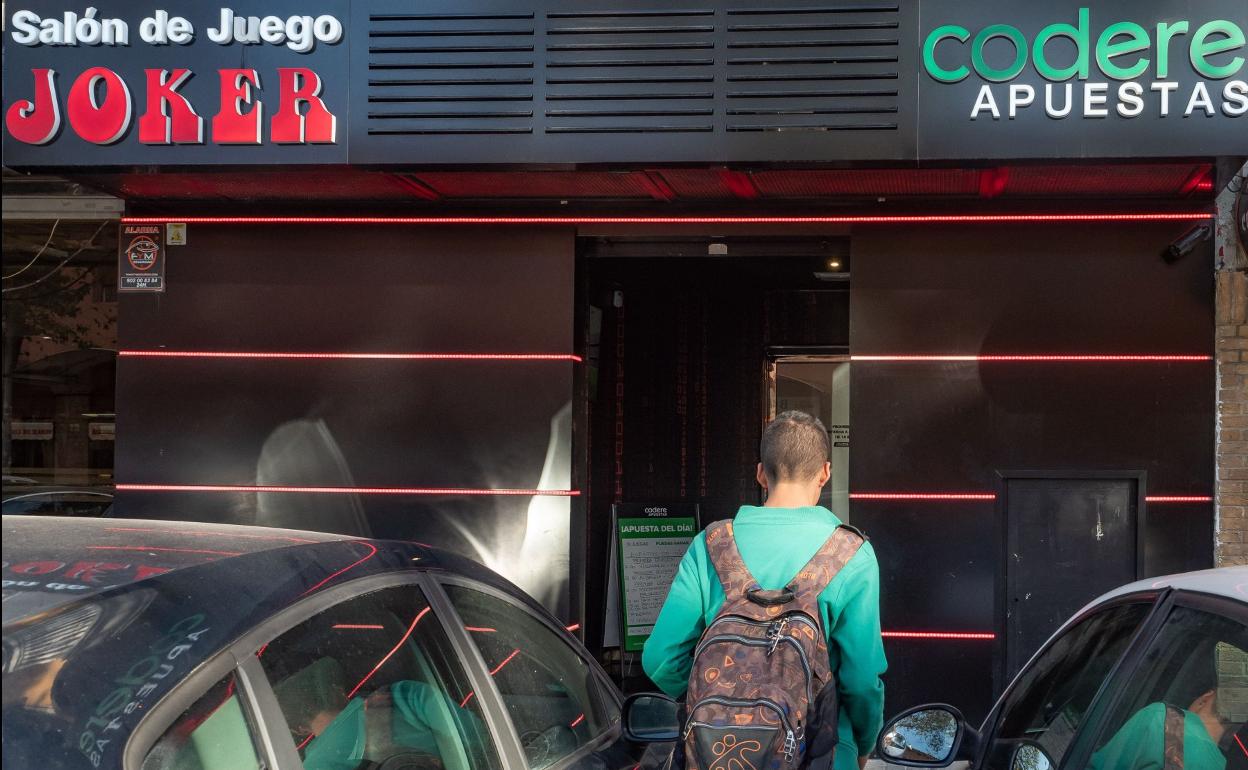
(1174, 738)
(825, 565)
(735, 577)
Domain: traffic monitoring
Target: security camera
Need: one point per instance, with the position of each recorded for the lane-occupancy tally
(1181, 247)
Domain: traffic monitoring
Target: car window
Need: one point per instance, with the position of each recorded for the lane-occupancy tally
(375, 681)
(1051, 697)
(550, 691)
(214, 733)
(1185, 699)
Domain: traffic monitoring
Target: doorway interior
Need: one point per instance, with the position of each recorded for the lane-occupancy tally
(817, 383)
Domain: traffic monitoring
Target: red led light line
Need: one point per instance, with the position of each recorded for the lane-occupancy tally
(922, 496)
(359, 626)
(574, 627)
(506, 660)
(345, 490)
(477, 630)
(371, 553)
(577, 721)
(390, 654)
(296, 355)
(960, 635)
(1241, 745)
(304, 742)
(833, 219)
(1039, 358)
(1178, 498)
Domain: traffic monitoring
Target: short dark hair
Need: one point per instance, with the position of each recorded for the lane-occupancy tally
(794, 447)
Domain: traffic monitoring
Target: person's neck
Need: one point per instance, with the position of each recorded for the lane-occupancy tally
(791, 496)
(1213, 725)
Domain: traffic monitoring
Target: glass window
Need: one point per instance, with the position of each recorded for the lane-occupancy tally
(1184, 700)
(60, 359)
(1052, 695)
(214, 733)
(374, 680)
(549, 690)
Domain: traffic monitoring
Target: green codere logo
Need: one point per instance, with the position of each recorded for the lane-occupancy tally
(1124, 51)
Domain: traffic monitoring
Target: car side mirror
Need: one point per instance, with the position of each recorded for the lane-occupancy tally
(1030, 756)
(651, 718)
(924, 736)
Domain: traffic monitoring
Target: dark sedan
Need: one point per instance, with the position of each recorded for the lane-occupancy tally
(144, 644)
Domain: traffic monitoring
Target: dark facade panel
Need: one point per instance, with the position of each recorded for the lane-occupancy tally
(361, 423)
(960, 427)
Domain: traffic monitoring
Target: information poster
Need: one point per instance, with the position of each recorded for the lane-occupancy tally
(141, 258)
(651, 540)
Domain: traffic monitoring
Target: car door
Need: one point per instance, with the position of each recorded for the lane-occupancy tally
(560, 703)
(363, 676)
(1184, 700)
(1061, 690)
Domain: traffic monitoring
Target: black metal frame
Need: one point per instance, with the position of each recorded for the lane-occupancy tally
(1001, 580)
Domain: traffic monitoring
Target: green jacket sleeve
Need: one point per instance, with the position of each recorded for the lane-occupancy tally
(856, 636)
(668, 655)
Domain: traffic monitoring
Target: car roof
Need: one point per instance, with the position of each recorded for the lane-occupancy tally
(50, 561)
(1229, 582)
(89, 601)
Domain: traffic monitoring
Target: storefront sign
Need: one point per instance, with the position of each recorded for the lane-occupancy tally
(1082, 78)
(31, 431)
(102, 431)
(141, 258)
(651, 540)
(132, 79)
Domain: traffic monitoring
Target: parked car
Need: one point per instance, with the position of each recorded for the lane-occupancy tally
(1152, 675)
(154, 644)
(58, 501)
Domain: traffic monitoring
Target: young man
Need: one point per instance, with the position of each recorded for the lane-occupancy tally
(775, 541)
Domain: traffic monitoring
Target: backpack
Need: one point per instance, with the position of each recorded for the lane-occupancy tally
(761, 693)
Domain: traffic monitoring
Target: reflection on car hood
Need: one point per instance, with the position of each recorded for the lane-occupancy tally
(52, 561)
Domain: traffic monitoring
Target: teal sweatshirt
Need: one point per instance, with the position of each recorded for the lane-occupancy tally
(775, 543)
(1140, 744)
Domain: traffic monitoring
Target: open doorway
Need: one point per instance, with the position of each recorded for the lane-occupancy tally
(818, 385)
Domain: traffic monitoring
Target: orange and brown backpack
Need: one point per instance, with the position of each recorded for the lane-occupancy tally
(761, 693)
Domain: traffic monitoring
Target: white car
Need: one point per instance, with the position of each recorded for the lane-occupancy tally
(1151, 676)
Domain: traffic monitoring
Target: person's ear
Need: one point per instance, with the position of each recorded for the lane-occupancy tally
(761, 476)
(825, 473)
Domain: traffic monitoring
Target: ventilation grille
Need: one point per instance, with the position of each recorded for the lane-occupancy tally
(451, 73)
(812, 69)
(648, 71)
(632, 69)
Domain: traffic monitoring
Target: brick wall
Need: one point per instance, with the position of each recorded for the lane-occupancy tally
(1232, 353)
(1231, 314)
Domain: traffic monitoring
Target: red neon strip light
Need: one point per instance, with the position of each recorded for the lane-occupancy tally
(304, 742)
(577, 721)
(574, 627)
(263, 647)
(507, 660)
(922, 496)
(1045, 358)
(161, 548)
(1178, 498)
(1241, 744)
(464, 702)
(200, 533)
(477, 630)
(390, 654)
(346, 490)
(372, 552)
(960, 635)
(845, 219)
(271, 355)
(359, 626)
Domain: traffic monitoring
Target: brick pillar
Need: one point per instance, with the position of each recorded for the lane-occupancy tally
(1232, 432)
(1231, 317)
